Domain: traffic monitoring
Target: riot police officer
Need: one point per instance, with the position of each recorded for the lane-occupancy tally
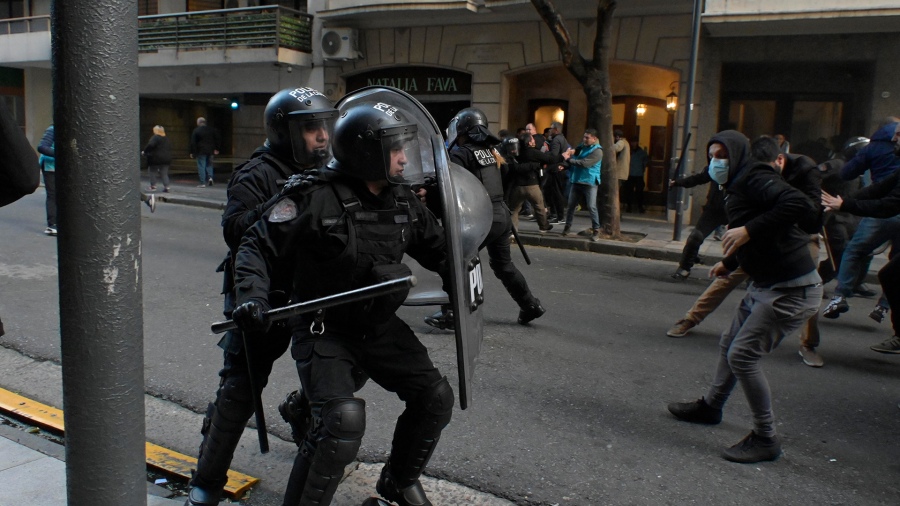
(349, 230)
(299, 123)
(471, 146)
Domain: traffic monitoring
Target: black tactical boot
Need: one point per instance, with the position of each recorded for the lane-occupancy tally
(296, 412)
(200, 497)
(443, 319)
(531, 311)
(412, 495)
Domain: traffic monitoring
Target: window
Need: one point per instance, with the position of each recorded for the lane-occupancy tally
(204, 5)
(148, 7)
(12, 9)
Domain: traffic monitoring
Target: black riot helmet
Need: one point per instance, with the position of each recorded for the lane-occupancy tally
(472, 123)
(853, 145)
(374, 139)
(299, 125)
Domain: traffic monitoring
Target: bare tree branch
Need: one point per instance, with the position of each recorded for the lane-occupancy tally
(571, 56)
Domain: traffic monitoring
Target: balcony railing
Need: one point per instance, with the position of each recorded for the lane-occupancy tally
(24, 25)
(249, 27)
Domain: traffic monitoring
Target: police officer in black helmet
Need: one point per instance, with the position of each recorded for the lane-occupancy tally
(348, 230)
(471, 146)
(299, 123)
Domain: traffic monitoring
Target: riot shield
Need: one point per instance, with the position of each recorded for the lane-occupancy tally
(467, 220)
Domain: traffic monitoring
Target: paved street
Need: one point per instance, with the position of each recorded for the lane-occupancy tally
(570, 410)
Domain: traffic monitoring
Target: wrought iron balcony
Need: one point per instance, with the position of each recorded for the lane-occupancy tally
(250, 27)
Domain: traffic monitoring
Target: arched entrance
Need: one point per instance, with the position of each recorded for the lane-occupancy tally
(539, 92)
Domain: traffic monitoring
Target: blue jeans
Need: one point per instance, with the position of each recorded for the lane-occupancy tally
(590, 196)
(205, 168)
(870, 234)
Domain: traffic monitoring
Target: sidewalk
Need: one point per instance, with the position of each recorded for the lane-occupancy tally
(648, 235)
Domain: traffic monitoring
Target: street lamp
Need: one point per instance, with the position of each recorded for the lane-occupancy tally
(672, 98)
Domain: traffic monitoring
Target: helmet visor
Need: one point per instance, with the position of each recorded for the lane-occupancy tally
(452, 134)
(311, 134)
(402, 158)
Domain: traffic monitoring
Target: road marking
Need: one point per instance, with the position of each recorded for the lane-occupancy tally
(158, 458)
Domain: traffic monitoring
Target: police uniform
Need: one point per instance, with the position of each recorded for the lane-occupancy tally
(480, 161)
(338, 236)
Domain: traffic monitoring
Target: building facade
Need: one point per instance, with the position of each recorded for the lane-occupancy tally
(817, 72)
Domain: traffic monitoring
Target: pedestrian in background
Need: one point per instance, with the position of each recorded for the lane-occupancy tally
(159, 156)
(204, 146)
(47, 161)
(634, 186)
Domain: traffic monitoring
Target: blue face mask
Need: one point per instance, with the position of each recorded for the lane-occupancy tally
(718, 170)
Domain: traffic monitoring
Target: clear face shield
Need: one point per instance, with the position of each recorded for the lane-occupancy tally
(311, 134)
(452, 134)
(402, 157)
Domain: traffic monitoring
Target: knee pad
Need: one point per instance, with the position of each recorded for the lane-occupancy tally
(437, 402)
(344, 418)
(234, 400)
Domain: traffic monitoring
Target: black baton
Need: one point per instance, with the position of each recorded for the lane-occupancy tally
(367, 292)
(521, 246)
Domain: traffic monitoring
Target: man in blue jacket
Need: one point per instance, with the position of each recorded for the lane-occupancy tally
(584, 179)
(880, 159)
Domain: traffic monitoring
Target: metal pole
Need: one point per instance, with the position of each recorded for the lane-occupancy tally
(95, 109)
(688, 112)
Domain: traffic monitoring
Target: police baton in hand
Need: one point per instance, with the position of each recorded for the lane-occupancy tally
(367, 292)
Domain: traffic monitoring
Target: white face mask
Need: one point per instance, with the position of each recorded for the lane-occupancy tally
(718, 170)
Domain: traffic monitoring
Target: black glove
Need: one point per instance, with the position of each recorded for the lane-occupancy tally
(251, 316)
(294, 183)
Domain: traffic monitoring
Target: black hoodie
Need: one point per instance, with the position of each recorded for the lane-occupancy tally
(758, 198)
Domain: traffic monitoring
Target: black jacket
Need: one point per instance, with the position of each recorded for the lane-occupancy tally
(878, 200)
(204, 141)
(526, 170)
(763, 202)
(19, 171)
(802, 173)
(158, 150)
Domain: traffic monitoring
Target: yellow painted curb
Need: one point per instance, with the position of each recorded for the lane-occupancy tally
(159, 458)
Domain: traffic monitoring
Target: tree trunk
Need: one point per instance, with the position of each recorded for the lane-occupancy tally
(593, 75)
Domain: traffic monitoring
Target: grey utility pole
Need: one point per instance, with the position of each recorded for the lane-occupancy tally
(688, 112)
(95, 110)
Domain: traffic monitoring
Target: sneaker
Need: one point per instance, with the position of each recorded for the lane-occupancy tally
(892, 346)
(681, 273)
(545, 230)
(811, 357)
(152, 189)
(296, 412)
(754, 448)
(681, 328)
(837, 306)
(595, 236)
(151, 202)
(530, 312)
(878, 313)
(50, 231)
(863, 290)
(443, 319)
(413, 495)
(166, 189)
(696, 412)
(553, 220)
(209, 181)
(566, 231)
(201, 186)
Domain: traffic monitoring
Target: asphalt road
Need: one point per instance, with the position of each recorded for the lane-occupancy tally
(570, 410)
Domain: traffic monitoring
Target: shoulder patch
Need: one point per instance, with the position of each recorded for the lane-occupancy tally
(284, 210)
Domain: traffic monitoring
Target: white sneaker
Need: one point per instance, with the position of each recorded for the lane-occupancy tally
(151, 202)
(209, 182)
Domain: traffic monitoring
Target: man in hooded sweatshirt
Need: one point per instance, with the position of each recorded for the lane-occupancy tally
(764, 239)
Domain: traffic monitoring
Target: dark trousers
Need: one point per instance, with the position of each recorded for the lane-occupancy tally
(889, 277)
(553, 192)
(634, 191)
(500, 258)
(710, 219)
(50, 186)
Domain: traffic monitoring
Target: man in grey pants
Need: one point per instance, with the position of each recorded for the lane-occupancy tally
(765, 240)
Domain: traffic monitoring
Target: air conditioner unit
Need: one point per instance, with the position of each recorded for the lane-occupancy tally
(340, 44)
